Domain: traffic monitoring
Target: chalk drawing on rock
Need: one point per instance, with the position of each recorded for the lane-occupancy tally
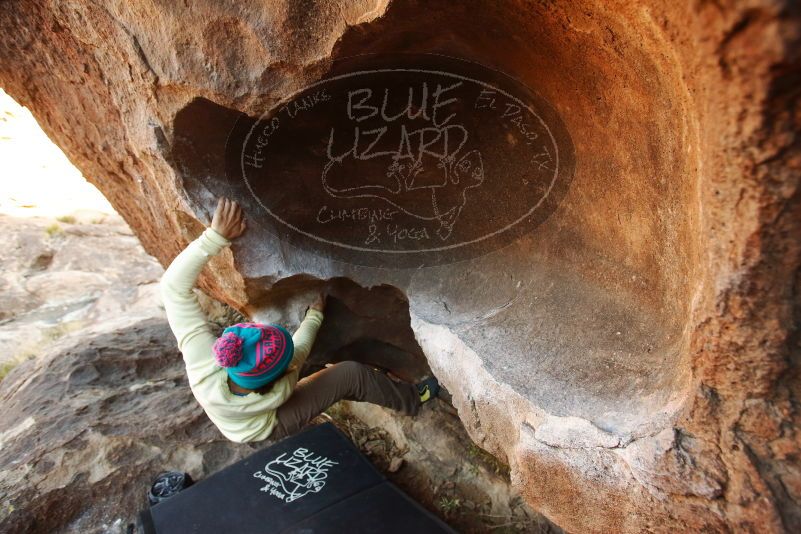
(406, 177)
(406, 165)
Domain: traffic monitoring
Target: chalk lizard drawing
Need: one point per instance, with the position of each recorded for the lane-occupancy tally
(404, 177)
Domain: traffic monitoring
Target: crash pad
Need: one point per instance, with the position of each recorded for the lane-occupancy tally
(314, 481)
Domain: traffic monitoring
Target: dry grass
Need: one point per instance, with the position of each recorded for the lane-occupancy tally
(375, 443)
(446, 497)
(6, 367)
(36, 347)
(54, 230)
(478, 454)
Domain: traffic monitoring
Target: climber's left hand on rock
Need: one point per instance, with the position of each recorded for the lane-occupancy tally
(319, 304)
(228, 220)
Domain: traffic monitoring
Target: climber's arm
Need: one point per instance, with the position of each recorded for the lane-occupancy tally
(183, 310)
(184, 314)
(304, 336)
(303, 339)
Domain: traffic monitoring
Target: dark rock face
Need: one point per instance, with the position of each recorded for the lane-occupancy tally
(634, 353)
(370, 326)
(85, 429)
(391, 161)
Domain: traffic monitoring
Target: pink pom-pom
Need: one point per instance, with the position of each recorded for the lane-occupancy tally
(228, 350)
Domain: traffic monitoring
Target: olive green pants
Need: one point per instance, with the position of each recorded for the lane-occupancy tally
(345, 380)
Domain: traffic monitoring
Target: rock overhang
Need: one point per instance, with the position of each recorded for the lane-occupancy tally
(516, 217)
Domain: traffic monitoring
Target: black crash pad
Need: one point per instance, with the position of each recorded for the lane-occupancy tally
(315, 481)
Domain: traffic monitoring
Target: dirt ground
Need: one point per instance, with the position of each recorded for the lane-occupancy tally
(433, 460)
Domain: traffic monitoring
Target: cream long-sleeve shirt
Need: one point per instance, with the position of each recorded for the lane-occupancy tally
(239, 418)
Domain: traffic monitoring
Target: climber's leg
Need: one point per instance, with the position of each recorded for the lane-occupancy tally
(345, 380)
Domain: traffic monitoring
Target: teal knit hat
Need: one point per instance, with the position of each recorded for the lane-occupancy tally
(254, 354)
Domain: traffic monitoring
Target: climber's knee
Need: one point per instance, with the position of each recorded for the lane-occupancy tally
(349, 367)
(353, 373)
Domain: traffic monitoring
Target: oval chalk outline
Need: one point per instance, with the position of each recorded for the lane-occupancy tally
(420, 251)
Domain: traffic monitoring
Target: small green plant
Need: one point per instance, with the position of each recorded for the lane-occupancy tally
(54, 230)
(6, 367)
(66, 219)
(449, 504)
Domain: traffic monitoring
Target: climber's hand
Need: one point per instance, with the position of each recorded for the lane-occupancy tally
(319, 304)
(228, 220)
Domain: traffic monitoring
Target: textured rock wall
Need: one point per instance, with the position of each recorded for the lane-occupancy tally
(636, 354)
(89, 426)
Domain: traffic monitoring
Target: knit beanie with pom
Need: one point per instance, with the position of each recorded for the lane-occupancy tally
(254, 354)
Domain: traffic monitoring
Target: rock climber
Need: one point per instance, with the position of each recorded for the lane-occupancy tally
(246, 380)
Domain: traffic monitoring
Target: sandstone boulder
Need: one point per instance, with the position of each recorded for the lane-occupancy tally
(87, 427)
(63, 278)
